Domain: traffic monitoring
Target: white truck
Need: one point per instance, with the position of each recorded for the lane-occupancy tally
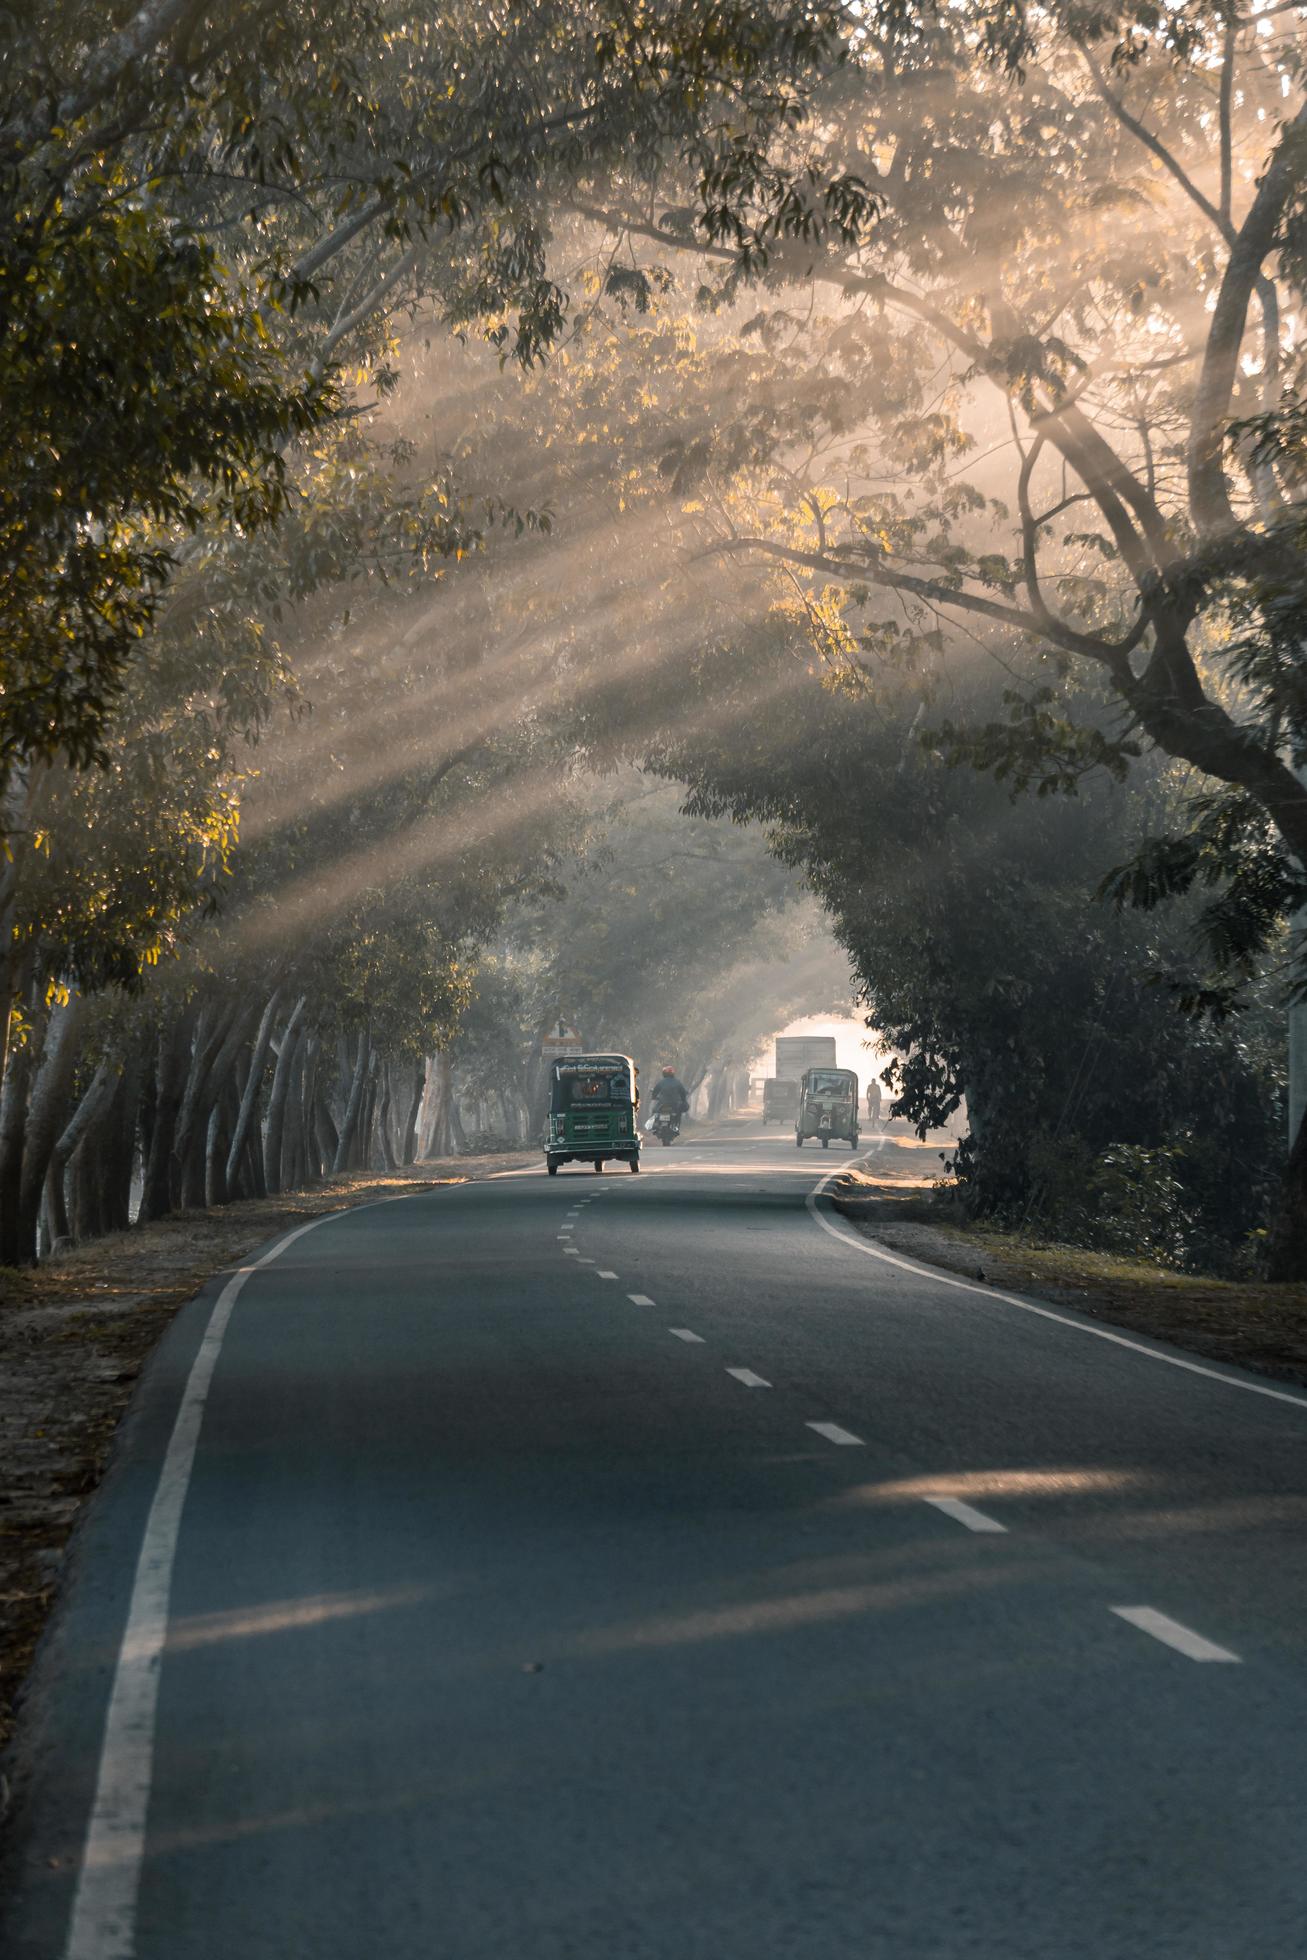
(797, 1053)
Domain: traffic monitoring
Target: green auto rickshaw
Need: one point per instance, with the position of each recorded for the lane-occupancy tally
(828, 1106)
(780, 1099)
(593, 1101)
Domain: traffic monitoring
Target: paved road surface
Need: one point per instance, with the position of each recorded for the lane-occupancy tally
(632, 1569)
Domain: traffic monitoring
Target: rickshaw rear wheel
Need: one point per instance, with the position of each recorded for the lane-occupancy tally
(599, 1165)
(551, 1165)
(635, 1163)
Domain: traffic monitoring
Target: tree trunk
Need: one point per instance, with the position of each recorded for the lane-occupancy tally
(245, 1118)
(119, 1158)
(353, 1107)
(217, 1190)
(55, 1215)
(442, 1138)
(145, 1117)
(85, 1184)
(361, 1157)
(251, 1177)
(93, 1190)
(408, 1139)
(311, 1154)
(90, 1112)
(325, 1126)
(292, 1145)
(171, 1062)
(1287, 1255)
(187, 1183)
(383, 1122)
(46, 1113)
(213, 1083)
(13, 1124)
(277, 1101)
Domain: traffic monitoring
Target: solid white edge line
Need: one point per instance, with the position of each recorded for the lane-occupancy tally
(966, 1514)
(1171, 1634)
(993, 1293)
(102, 1925)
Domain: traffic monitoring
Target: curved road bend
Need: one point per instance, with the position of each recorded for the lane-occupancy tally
(572, 1568)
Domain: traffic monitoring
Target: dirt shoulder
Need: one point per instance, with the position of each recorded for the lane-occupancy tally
(1249, 1325)
(74, 1335)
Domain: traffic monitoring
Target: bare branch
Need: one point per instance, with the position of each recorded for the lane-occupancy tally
(1030, 539)
(366, 306)
(1109, 653)
(1226, 103)
(1154, 145)
(1208, 492)
(824, 271)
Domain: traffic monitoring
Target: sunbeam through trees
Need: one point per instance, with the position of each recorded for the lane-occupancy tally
(510, 513)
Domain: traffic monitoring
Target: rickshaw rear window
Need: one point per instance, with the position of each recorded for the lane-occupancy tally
(829, 1081)
(584, 1091)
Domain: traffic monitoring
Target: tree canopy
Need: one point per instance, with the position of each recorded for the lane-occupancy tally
(417, 418)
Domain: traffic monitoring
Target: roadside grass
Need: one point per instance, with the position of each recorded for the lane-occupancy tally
(1249, 1324)
(75, 1334)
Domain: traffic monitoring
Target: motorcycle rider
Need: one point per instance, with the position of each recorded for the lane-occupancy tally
(668, 1094)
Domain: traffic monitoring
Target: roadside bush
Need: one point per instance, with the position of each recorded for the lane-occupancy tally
(1137, 1203)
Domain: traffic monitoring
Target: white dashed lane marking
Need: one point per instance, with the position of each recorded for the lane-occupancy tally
(640, 1300)
(748, 1378)
(603, 1275)
(684, 1334)
(1172, 1634)
(966, 1514)
(834, 1434)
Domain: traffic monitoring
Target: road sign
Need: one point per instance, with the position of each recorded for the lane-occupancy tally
(561, 1040)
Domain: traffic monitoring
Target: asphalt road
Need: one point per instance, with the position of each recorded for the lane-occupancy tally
(632, 1569)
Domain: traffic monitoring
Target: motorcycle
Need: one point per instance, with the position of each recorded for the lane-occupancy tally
(664, 1124)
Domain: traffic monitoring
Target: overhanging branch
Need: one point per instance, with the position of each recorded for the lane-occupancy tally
(1113, 654)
